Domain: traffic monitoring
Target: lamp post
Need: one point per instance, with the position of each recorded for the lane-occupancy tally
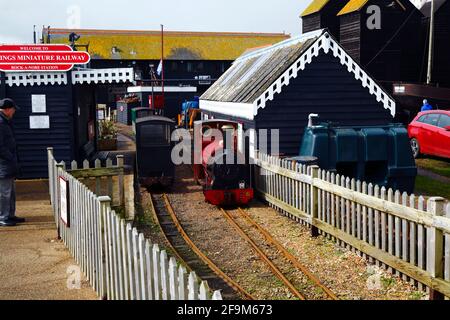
(151, 80)
(431, 44)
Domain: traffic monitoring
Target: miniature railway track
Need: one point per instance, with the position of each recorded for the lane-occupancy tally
(275, 244)
(187, 252)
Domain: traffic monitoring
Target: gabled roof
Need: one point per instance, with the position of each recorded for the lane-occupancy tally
(259, 76)
(314, 6)
(356, 5)
(146, 45)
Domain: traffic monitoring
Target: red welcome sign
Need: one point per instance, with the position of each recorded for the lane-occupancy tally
(47, 57)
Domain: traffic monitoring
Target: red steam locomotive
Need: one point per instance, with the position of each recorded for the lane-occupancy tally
(222, 170)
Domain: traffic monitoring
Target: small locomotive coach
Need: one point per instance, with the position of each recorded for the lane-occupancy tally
(154, 165)
(222, 169)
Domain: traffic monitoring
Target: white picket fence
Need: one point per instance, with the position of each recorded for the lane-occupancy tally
(401, 232)
(116, 259)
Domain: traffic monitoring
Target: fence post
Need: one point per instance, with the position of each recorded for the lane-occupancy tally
(314, 201)
(193, 286)
(59, 170)
(120, 163)
(50, 171)
(217, 295)
(105, 206)
(447, 248)
(435, 245)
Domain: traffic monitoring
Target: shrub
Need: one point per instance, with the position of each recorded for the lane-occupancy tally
(107, 130)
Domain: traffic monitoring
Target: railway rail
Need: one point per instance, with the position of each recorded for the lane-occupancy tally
(190, 255)
(278, 247)
(194, 259)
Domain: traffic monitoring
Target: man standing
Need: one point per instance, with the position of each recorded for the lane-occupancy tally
(426, 106)
(8, 165)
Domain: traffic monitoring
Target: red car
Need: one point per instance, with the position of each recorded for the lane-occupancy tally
(429, 133)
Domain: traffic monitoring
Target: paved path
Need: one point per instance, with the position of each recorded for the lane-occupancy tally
(33, 263)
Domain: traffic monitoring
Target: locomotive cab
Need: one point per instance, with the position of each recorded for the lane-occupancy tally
(153, 151)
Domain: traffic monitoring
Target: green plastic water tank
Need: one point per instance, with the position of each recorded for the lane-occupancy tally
(375, 154)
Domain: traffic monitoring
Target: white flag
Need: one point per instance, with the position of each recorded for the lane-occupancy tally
(159, 70)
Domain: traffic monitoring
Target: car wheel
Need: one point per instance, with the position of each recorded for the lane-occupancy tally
(415, 147)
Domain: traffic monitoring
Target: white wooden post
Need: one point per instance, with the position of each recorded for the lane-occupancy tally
(193, 286)
(50, 171)
(204, 291)
(149, 269)
(164, 275)
(125, 255)
(314, 201)
(447, 248)
(136, 273)
(156, 266)
(435, 245)
(131, 271)
(59, 171)
(182, 283)
(173, 279)
(217, 295)
(105, 205)
(112, 248)
(144, 295)
(120, 252)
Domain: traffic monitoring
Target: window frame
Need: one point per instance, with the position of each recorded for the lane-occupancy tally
(158, 143)
(442, 116)
(438, 115)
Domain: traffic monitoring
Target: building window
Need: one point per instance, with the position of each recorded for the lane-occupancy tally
(174, 66)
(200, 66)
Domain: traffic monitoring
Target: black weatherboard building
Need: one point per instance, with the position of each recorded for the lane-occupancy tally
(441, 43)
(279, 86)
(58, 109)
(382, 35)
(389, 51)
(322, 14)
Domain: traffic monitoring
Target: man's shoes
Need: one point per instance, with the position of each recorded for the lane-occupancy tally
(17, 219)
(7, 223)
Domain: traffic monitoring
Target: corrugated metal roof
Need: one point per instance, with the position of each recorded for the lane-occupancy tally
(253, 73)
(314, 6)
(146, 45)
(352, 5)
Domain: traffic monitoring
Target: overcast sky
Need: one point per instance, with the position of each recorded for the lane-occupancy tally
(17, 17)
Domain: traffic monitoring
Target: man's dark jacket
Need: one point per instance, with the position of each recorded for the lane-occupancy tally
(8, 150)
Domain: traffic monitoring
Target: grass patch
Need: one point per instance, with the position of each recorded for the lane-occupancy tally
(416, 295)
(430, 187)
(440, 167)
(387, 282)
(144, 219)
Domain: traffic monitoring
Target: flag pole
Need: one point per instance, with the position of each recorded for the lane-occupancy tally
(162, 60)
